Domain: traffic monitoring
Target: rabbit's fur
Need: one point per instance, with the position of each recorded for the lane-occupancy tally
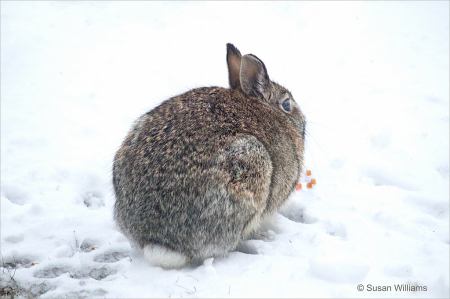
(196, 174)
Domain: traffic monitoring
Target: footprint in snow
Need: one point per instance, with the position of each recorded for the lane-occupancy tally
(105, 254)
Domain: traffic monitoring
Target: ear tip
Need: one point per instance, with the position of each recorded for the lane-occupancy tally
(252, 61)
(252, 57)
(231, 48)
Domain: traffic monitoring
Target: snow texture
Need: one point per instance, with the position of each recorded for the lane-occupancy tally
(371, 77)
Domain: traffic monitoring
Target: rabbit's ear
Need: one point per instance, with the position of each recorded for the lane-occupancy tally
(234, 66)
(254, 78)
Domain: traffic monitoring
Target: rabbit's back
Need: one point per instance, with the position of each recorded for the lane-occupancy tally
(185, 179)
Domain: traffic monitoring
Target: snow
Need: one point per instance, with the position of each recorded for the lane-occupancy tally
(371, 77)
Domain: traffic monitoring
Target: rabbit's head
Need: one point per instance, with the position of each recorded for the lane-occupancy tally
(249, 74)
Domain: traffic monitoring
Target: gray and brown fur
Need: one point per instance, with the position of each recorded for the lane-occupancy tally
(197, 173)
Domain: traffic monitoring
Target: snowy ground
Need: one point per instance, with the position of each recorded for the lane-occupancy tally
(371, 77)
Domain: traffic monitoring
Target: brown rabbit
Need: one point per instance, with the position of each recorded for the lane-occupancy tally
(196, 174)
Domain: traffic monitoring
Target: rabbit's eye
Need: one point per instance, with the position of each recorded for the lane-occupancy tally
(286, 105)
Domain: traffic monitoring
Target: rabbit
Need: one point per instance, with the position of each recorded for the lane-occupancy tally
(198, 173)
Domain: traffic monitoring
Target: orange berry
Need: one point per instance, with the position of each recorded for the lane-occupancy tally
(309, 185)
(298, 187)
(313, 181)
(308, 172)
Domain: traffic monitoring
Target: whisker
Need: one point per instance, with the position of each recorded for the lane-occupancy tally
(310, 112)
(310, 122)
(328, 157)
